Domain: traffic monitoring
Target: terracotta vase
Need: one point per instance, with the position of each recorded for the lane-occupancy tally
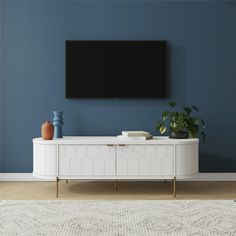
(47, 130)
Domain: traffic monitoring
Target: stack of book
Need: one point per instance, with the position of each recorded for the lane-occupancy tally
(135, 135)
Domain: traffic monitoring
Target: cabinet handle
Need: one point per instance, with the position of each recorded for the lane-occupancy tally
(110, 145)
(121, 145)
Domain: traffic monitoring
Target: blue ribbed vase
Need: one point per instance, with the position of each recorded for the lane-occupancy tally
(57, 122)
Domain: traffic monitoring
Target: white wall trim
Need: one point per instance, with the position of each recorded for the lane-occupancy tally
(18, 177)
(199, 177)
(214, 177)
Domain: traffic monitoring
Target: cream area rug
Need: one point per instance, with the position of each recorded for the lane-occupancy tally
(118, 218)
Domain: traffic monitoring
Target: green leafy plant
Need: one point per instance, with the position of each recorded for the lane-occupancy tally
(182, 121)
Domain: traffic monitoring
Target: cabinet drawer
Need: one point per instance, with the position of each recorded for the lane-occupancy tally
(145, 160)
(86, 160)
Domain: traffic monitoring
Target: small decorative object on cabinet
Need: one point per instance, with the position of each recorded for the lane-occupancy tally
(109, 158)
(135, 135)
(47, 130)
(58, 122)
(178, 134)
(181, 124)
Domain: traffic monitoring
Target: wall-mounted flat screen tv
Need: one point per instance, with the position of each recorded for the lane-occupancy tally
(116, 69)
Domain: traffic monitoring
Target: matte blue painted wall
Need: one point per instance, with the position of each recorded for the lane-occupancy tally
(1, 84)
(202, 49)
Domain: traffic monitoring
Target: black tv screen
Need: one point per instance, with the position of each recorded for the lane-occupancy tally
(109, 69)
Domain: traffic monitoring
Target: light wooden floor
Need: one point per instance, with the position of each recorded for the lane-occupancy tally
(126, 190)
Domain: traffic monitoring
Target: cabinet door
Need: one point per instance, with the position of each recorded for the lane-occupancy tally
(145, 160)
(86, 160)
(45, 160)
(186, 159)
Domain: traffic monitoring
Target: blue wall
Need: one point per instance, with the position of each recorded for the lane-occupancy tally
(1, 84)
(202, 49)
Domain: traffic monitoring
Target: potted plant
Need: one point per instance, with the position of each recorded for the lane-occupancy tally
(181, 124)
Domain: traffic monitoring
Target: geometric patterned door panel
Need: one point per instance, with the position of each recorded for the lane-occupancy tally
(145, 160)
(86, 160)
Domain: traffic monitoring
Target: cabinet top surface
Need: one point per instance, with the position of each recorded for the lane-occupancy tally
(113, 140)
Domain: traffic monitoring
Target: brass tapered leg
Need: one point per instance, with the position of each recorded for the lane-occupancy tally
(174, 186)
(57, 180)
(115, 184)
(67, 181)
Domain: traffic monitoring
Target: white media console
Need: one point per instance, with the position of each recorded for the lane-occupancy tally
(108, 158)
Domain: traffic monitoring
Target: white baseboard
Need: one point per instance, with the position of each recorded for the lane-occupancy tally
(18, 177)
(199, 177)
(214, 177)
